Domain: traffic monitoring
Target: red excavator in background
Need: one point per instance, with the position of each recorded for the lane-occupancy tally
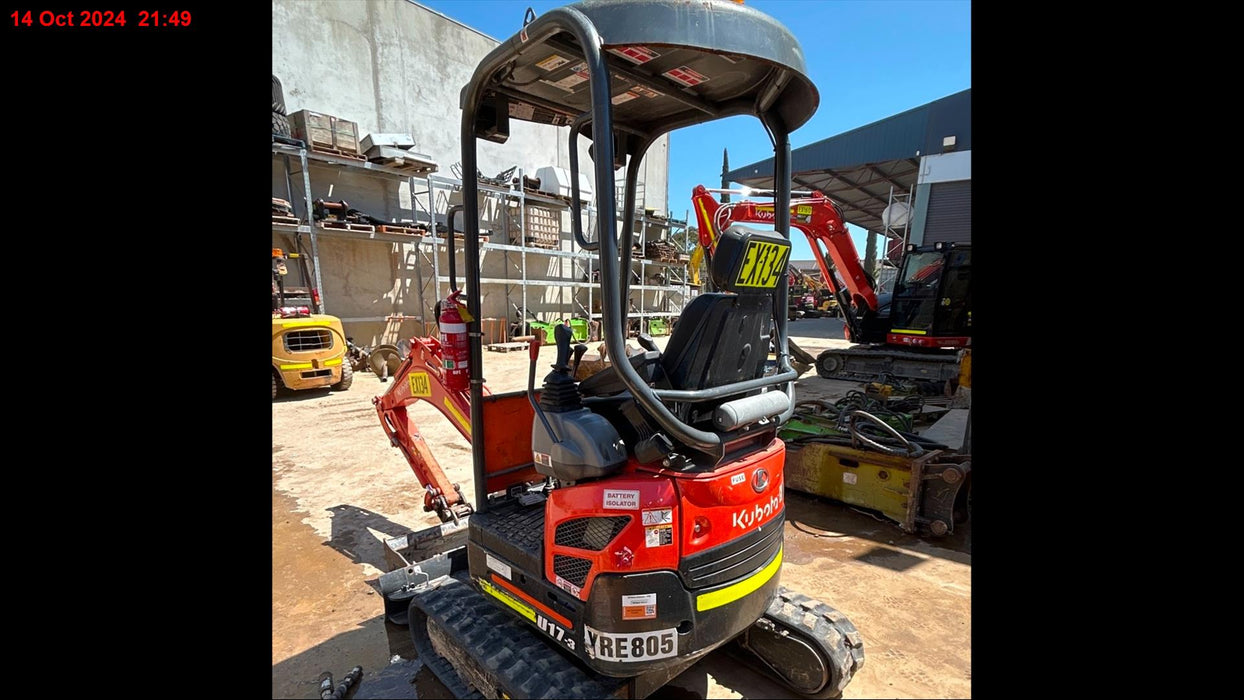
(915, 332)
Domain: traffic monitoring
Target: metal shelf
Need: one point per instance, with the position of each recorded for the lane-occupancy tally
(434, 182)
(365, 236)
(646, 313)
(364, 165)
(529, 283)
(545, 199)
(516, 249)
(657, 288)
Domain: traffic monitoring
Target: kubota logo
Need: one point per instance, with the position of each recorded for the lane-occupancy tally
(760, 479)
(746, 518)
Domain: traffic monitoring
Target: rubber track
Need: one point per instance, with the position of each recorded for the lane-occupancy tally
(826, 629)
(861, 376)
(514, 656)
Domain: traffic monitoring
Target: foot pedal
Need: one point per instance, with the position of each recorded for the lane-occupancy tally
(531, 499)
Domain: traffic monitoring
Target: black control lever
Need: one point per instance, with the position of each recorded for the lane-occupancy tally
(533, 351)
(646, 342)
(562, 336)
(579, 351)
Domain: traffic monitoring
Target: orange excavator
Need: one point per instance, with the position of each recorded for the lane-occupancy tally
(915, 332)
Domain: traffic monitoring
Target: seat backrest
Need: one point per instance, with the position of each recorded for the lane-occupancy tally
(720, 339)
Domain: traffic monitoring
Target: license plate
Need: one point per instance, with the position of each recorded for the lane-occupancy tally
(630, 648)
(763, 264)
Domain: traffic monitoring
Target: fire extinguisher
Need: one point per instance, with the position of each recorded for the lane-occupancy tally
(454, 347)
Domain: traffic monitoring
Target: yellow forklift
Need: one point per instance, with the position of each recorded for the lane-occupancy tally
(307, 349)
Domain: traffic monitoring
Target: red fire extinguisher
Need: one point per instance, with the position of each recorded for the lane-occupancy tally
(454, 347)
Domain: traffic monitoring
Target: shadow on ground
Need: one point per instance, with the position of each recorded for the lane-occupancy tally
(407, 678)
(822, 518)
(286, 395)
(352, 536)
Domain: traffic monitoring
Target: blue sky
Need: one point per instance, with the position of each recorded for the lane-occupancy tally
(869, 60)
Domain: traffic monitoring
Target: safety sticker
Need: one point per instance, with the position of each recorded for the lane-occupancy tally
(620, 500)
(737, 479)
(624, 97)
(639, 607)
(522, 110)
(685, 76)
(635, 54)
(848, 477)
(497, 565)
(541, 458)
(558, 85)
(664, 516)
(658, 535)
(641, 90)
(553, 62)
(567, 586)
(577, 75)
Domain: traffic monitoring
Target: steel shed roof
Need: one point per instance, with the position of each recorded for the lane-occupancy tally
(857, 168)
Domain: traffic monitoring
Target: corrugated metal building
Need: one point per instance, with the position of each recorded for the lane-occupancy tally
(925, 152)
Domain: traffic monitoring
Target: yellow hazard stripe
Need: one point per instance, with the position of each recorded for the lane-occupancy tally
(293, 324)
(466, 424)
(332, 363)
(898, 330)
(500, 595)
(733, 592)
(300, 365)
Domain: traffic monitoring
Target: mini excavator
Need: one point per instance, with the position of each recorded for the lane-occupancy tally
(625, 525)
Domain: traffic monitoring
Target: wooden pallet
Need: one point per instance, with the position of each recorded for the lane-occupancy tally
(348, 226)
(338, 152)
(405, 230)
(415, 167)
(533, 242)
(507, 347)
(285, 220)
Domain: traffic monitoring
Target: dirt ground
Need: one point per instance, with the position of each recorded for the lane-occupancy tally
(338, 487)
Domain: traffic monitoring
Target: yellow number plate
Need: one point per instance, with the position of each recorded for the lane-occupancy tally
(763, 264)
(419, 384)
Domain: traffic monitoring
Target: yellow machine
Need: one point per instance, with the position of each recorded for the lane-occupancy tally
(307, 349)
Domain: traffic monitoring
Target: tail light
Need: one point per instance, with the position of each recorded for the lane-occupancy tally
(294, 311)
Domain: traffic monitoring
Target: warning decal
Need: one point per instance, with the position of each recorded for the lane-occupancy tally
(553, 62)
(685, 76)
(641, 90)
(522, 110)
(639, 607)
(635, 54)
(624, 97)
(664, 516)
(658, 535)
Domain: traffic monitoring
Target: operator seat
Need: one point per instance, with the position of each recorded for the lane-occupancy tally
(720, 338)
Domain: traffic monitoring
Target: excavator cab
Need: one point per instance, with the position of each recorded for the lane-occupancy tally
(652, 533)
(932, 294)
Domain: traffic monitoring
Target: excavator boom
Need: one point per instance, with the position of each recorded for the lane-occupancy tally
(420, 378)
(816, 216)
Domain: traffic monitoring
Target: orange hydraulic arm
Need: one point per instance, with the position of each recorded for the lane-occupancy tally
(420, 378)
(818, 218)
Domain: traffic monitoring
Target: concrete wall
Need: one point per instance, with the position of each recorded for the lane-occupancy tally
(396, 66)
